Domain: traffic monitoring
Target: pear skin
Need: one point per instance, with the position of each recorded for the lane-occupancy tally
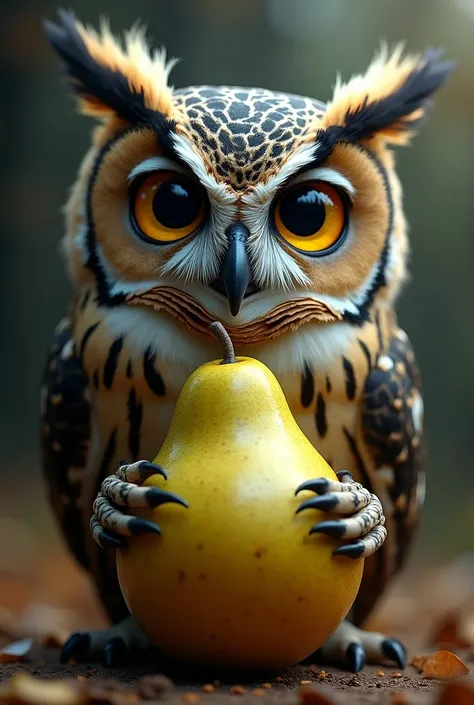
(235, 580)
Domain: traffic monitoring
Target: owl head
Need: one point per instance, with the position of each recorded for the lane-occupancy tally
(279, 215)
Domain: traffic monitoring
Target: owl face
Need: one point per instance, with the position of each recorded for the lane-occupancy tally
(266, 210)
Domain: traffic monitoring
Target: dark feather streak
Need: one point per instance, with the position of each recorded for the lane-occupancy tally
(321, 420)
(152, 376)
(110, 366)
(307, 387)
(350, 378)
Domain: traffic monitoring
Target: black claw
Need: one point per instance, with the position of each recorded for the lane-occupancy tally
(334, 529)
(394, 651)
(137, 527)
(320, 486)
(356, 656)
(157, 469)
(109, 540)
(342, 474)
(77, 646)
(325, 503)
(115, 652)
(156, 497)
(352, 550)
(123, 462)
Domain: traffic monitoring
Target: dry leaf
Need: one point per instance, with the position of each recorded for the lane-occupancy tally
(397, 698)
(442, 665)
(155, 687)
(16, 651)
(317, 694)
(457, 694)
(26, 690)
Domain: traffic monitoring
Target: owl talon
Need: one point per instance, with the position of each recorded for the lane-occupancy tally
(109, 523)
(355, 655)
(334, 529)
(105, 539)
(322, 485)
(76, 646)
(114, 646)
(354, 647)
(341, 502)
(393, 651)
(139, 472)
(364, 518)
(366, 547)
(128, 494)
(137, 527)
(115, 652)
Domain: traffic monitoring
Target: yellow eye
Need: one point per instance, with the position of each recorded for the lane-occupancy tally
(168, 206)
(311, 217)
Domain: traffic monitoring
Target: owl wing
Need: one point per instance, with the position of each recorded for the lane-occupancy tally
(392, 436)
(65, 416)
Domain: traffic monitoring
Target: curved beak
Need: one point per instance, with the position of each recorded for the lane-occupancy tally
(235, 271)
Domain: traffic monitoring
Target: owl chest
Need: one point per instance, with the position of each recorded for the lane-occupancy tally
(134, 389)
(133, 414)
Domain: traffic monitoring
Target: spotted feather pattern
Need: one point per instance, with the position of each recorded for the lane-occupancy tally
(245, 134)
(392, 422)
(65, 435)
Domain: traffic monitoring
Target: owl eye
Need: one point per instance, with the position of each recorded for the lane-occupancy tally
(311, 216)
(168, 206)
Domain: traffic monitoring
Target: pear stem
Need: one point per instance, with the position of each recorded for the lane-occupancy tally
(224, 339)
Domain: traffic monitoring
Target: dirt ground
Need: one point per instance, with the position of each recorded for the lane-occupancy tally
(298, 684)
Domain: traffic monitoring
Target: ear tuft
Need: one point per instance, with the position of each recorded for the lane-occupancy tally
(390, 100)
(129, 82)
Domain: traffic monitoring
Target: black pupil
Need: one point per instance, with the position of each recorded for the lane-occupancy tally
(176, 203)
(302, 210)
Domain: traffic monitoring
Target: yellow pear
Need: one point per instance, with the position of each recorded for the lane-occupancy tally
(235, 579)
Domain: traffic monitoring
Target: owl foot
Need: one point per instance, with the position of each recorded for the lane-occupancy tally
(109, 525)
(352, 647)
(366, 518)
(114, 646)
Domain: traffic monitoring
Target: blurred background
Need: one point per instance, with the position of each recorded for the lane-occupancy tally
(296, 46)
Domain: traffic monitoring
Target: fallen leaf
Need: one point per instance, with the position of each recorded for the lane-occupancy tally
(398, 698)
(442, 665)
(457, 694)
(16, 651)
(317, 694)
(26, 690)
(155, 687)
(238, 690)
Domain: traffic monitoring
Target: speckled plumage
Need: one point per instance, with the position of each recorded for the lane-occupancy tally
(245, 134)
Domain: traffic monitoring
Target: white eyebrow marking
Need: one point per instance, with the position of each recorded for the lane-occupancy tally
(325, 174)
(155, 164)
(264, 192)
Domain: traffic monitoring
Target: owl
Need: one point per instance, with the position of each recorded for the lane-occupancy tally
(278, 215)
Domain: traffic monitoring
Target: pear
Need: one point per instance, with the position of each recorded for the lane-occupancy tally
(236, 580)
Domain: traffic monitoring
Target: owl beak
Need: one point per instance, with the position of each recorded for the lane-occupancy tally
(235, 271)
